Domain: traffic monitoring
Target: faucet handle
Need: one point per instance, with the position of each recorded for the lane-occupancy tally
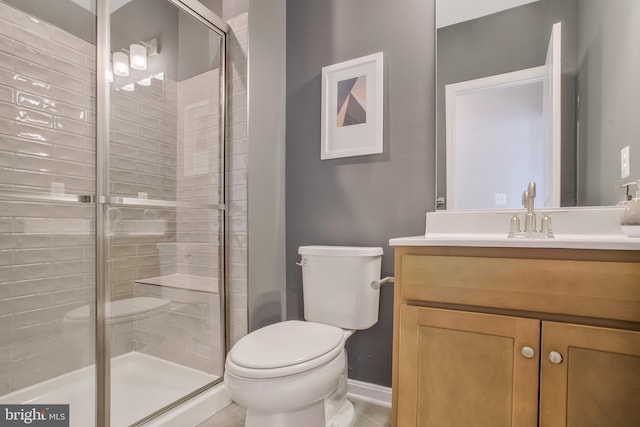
(514, 225)
(531, 189)
(546, 226)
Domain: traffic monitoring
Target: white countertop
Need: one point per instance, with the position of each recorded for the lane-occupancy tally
(592, 241)
(573, 228)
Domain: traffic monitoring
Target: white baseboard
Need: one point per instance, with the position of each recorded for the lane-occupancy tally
(373, 393)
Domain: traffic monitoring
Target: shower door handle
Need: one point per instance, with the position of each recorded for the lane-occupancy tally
(47, 197)
(157, 203)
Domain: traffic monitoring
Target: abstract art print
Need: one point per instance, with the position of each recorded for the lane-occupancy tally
(352, 101)
(352, 108)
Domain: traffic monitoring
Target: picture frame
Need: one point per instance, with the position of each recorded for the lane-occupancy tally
(352, 108)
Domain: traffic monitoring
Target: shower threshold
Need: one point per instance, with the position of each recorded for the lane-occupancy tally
(140, 385)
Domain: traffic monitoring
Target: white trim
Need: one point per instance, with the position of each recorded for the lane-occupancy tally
(553, 83)
(372, 393)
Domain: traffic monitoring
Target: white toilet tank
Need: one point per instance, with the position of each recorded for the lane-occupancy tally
(336, 285)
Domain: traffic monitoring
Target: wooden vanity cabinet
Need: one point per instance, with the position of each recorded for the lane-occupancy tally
(597, 383)
(465, 369)
(474, 329)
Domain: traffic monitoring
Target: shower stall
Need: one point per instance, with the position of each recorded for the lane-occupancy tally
(112, 206)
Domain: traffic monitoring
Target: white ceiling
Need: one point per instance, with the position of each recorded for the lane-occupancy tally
(449, 12)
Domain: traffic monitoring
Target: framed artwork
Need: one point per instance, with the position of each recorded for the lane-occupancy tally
(352, 108)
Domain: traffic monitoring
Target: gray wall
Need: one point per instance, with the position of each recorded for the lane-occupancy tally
(198, 49)
(608, 60)
(64, 14)
(265, 159)
(369, 199)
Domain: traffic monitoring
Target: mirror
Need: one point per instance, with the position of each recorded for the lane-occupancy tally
(567, 134)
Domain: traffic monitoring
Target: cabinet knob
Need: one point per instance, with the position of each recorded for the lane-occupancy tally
(528, 352)
(555, 357)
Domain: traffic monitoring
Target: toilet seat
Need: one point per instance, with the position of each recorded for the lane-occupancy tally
(285, 348)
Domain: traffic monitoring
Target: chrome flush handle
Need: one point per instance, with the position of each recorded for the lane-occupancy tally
(377, 283)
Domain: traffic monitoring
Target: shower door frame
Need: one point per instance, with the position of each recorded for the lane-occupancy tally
(102, 338)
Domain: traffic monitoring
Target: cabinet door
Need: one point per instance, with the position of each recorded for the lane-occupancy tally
(594, 379)
(459, 368)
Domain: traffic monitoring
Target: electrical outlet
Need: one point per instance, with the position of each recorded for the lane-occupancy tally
(501, 199)
(624, 162)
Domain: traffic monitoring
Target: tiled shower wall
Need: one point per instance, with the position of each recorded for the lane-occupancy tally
(189, 332)
(47, 143)
(199, 164)
(47, 134)
(143, 158)
(143, 164)
(238, 169)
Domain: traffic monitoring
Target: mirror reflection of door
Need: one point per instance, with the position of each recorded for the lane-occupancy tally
(551, 108)
(502, 132)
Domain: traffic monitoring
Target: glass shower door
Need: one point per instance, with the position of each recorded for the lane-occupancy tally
(47, 210)
(163, 216)
(151, 302)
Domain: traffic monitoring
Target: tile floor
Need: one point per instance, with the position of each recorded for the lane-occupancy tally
(367, 415)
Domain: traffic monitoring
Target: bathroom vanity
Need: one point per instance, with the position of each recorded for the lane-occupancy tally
(504, 334)
(496, 331)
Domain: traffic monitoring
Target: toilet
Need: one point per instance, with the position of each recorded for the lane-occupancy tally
(294, 373)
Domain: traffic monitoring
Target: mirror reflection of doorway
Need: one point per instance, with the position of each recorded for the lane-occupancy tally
(500, 122)
(511, 120)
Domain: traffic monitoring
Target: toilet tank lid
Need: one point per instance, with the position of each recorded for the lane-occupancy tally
(340, 250)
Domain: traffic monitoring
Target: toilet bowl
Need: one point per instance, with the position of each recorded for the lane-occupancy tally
(300, 364)
(294, 373)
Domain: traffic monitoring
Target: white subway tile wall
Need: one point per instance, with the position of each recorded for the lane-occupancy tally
(199, 164)
(47, 143)
(164, 141)
(141, 240)
(237, 108)
(187, 332)
(143, 150)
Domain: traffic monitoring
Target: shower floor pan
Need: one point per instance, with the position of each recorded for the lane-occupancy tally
(140, 385)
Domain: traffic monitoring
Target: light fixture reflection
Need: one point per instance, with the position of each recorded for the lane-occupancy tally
(145, 82)
(138, 57)
(129, 88)
(120, 64)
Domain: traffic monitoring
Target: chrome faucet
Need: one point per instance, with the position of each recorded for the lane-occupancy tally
(527, 201)
(528, 198)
